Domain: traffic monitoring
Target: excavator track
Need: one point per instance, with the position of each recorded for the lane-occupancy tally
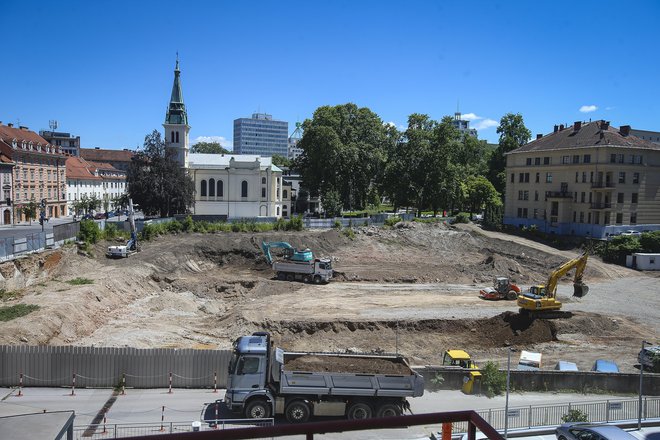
(549, 314)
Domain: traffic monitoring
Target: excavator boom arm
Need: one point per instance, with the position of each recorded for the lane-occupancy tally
(579, 263)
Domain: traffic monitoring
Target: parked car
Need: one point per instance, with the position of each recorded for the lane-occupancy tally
(590, 431)
(99, 215)
(87, 217)
(110, 214)
(605, 366)
(631, 232)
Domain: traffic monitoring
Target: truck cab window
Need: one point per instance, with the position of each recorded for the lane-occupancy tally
(248, 365)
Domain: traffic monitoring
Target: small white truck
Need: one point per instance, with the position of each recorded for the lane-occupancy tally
(264, 381)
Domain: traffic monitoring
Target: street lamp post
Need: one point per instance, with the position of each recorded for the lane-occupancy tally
(641, 381)
(508, 382)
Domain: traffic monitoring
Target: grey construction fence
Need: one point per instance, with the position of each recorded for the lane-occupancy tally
(14, 247)
(108, 366)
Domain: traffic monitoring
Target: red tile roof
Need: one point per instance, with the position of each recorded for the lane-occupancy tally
(98, 155)
(78, 168)
(591, 134)
(8, 134)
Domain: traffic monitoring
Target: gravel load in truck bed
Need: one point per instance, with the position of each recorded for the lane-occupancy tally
(346, 364)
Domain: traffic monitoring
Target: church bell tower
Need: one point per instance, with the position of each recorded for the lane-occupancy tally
(176, 121)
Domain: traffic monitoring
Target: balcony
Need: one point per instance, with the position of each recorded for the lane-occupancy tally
(558, 195)
(600, 205)
(603, 185)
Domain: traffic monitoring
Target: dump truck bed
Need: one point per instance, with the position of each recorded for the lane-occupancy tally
(302, 267)
(349, 375)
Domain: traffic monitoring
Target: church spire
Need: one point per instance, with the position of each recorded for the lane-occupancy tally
(176, 112)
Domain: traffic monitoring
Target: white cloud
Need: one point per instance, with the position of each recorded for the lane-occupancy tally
(221, 140)
(486, 123)
(588, 108)
(610, 108)
(470, 117)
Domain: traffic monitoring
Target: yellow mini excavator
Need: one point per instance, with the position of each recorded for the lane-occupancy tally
(541, 300)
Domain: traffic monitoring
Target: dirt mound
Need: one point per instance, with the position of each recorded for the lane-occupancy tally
(347, 364)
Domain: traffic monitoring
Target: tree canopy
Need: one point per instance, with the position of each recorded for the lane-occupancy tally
(513, 134)
(208, 148)
(342, 153)
(156, 181)
(281, 161)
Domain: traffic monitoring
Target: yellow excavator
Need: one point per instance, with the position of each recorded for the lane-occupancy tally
(541, 300)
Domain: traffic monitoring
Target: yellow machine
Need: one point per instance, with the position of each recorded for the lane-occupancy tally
(542, 299)
(460, 358)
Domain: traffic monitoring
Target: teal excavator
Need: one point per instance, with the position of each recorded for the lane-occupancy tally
(290, 253)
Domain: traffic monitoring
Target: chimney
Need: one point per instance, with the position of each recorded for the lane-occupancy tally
(10, 124)
(556, 128)
(604, 125)
(577, 125)
(561, 127)
(23, 127)
(97, 148)
(539, 135)
(624, 130)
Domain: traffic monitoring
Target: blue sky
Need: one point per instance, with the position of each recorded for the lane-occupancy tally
(104, 69)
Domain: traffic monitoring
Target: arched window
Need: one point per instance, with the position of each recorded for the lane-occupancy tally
(220, 188)
(203, 188)
(177, 137)
(263, 180)
(244, 188)
(212, 187)
(172, 136)
(278, 210)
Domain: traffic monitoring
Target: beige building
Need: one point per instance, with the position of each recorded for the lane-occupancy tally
(39, 171)
(587, 179)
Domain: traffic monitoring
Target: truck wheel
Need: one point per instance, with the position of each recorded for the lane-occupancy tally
(307, 278)
(281, 276)
(297, 411)
(317, 279)
(290, 277)
(360, 410)
(388, 410)
(257, 409)
(511, 295)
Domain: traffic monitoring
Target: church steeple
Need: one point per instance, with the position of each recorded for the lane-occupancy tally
(176, 112)
(176, 121)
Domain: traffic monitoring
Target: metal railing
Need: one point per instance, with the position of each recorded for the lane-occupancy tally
(117, 430)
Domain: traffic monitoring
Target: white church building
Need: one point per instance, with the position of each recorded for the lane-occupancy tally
(226, 185)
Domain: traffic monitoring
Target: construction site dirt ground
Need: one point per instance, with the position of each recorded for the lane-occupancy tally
(412, 289)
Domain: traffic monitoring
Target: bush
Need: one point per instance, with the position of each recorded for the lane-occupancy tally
(348, 232)
(574, 415)
(89, 231)
(391, 221)
(492, 379)
(80, 281)
(295, 224)
(650, 242)
(187, 224)
(110, 231)
(337, 224)
(462, 217)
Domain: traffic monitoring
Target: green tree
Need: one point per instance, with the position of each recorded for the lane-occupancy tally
(513, 134)
(30, 209)
(208, 148)
(281, 161)
(493, 379)
(157, 182)
(574, 415)
(331, 203)
(479, 192)
(344, 151)
(650, 241)
(302, 201)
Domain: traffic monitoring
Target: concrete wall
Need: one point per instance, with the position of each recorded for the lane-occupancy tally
(550, 380)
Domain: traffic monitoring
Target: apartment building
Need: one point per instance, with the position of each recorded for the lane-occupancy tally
(39, 171)
(91, 179)
(588, 179)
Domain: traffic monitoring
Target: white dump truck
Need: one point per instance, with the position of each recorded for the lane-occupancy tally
(298, 265)
(264, 381)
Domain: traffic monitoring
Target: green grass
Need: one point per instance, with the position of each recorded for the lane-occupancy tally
(6, 295)
(80, 281)
(13, 312)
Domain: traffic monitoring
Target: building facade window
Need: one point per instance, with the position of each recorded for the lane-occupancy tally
(587, 158)
(622, 177)
(513, 177)
(633, 218)
(546, 160)
(537, 161)
(619, 218)
(202, 189)
(538, 177)
(263, 193)
(220, 188)
(584, 177)
(528, 162)
(566, 159)
(211, 187)
(635, 178)
(576, 158)
(548, 177)
(244, 188)
(619, 198)
(634, 197)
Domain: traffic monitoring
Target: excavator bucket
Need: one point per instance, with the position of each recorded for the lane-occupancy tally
(580, 290)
